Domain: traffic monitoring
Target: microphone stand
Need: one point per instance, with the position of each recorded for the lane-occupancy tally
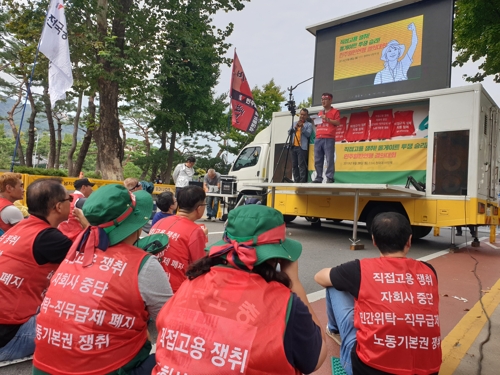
(289, 141)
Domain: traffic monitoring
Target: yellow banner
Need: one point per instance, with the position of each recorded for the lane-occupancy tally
(404, 155)
(69, 181)
(360, 53)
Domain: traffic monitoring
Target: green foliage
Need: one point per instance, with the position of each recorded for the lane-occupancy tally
(131, 170)
(307, 103)
(41, 171)
(193, 52)
(477, 36)
(90, 174)
(6, 149)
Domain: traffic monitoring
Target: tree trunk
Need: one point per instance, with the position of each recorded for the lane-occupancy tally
(170, 160)
(50, 121)
(10, 119)
(31, 132)
(107, 136)
(147, 143)
(87, 139)
(74, 139)
(58, 144)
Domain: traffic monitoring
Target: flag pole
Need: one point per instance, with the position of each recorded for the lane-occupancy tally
(26, 98)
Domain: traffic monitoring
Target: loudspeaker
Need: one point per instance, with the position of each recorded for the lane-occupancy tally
(451, 162)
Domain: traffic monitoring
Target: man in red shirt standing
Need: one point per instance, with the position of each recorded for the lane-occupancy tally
(324, 145)
(186, 238)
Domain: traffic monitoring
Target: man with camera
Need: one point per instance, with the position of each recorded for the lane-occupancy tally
(300, 132)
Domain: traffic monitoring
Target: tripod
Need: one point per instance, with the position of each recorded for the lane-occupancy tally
(291, 134)
(289, 141)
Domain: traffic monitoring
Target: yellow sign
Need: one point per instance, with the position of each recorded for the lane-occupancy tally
(404, 155)
(361, 53)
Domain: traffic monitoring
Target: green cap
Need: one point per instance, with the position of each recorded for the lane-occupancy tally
(261, 228)
(119, 212)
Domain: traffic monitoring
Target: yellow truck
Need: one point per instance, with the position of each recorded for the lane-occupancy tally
(432, 156)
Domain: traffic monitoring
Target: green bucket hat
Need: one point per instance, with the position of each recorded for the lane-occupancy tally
(117, 211)
(254, 234)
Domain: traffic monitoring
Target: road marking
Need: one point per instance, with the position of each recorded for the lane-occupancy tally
(435, 255)
(316, 296)
(490, 244)
(457, 343)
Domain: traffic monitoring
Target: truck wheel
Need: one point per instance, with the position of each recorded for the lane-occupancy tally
(419, 231)
(312, 219)
(377, 210)
(289, 218)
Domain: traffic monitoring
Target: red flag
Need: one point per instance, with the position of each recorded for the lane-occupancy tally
(245, 116)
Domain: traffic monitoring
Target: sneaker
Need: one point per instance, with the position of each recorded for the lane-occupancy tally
(335, 336)
(330, 180)
(207, 218)
(317, 182)
(213, 219)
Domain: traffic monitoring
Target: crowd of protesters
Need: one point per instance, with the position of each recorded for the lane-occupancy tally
(79, 287)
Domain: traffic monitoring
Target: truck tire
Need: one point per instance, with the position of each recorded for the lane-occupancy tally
(289, 218)
(312, 219)
(419, 231)
(377, 210)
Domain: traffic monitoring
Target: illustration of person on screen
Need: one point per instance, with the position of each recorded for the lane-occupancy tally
(394, 68)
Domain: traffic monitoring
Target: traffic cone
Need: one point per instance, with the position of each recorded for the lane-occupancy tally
(81, 175)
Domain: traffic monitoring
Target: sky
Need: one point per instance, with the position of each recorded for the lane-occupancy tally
(272, 42)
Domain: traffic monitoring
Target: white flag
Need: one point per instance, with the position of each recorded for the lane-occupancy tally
(54, 45)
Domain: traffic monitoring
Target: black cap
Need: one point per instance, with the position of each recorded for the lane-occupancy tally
(82, 182)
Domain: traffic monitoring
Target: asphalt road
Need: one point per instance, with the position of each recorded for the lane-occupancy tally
(325, 246)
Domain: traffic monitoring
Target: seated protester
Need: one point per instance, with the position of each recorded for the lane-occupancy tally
(31, 252)
(11, 190)
(236, 298)
(117, 288)
(356, 291)
(187, 239)
(167, 203)
(72, 227)
(132, 184)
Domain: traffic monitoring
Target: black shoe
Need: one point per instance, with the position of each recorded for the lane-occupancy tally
(317, 182)
(330, 180)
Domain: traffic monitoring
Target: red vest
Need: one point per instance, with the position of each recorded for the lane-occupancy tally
(71, 228)
(223, 322)
(24, 281)
(326, 129)
(92, 320)
(180, 253)
(4, 203)
(397, 316)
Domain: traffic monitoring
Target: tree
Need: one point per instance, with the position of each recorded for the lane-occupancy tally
(193, 52)
(477, 36)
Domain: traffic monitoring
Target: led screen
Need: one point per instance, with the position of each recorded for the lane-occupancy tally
(403, 50)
